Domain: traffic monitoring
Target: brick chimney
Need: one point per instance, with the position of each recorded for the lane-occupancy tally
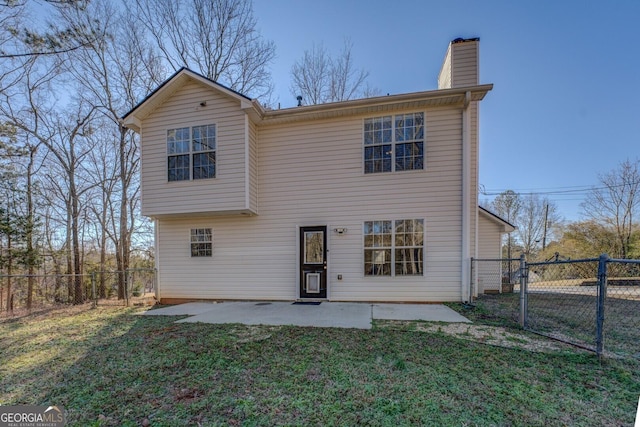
(460, 66)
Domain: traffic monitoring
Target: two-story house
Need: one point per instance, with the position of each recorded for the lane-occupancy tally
(365, 200)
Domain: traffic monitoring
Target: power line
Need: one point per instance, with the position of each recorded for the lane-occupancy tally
(578, 190)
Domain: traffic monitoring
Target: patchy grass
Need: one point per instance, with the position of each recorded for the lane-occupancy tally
(110, 367)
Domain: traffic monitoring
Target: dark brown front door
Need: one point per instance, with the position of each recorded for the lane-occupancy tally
(313, 262)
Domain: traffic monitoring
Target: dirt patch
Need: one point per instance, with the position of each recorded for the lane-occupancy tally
(253, 333)
(486, 334)
(496, 335)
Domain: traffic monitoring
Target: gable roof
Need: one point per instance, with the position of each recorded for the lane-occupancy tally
(133, 118)
(507, 227)
(262, 116)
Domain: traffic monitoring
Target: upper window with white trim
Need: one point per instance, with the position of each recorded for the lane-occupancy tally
(191, 153)
(394, 143)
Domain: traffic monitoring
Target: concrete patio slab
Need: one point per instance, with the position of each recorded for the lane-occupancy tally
(426, 312)
(327, 314)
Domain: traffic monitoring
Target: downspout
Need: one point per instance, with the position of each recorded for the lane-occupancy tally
(465, 288)
(156, 261)
(247, 166)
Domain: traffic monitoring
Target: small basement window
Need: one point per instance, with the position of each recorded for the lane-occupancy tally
(201, 242)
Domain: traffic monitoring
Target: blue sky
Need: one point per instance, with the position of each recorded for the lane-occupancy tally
(566, 100)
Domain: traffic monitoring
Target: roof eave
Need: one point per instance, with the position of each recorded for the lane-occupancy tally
(507, 227)
(455, 96)
(134, 117)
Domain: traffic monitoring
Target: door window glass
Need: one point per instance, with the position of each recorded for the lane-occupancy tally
(313, 247)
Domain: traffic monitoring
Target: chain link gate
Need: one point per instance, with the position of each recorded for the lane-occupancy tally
(590, 303)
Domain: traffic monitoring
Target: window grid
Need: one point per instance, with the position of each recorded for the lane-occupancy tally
(394, 248)
(201, 242)
(394, 143)
(378, 248)
(191, 153)
(409, 247)
(178, 152)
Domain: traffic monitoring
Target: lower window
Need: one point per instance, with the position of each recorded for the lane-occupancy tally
(394, 248)
(201, 242)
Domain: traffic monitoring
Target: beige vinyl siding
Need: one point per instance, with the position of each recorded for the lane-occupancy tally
(460, 65)
(225, 192)
(311, 173)
(489, 246)
(444, 78)
(464, 64)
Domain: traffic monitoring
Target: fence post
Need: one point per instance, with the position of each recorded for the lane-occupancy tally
(126, 287)
(602, 296)
(471, 283)
(523, 291)
(94, 294)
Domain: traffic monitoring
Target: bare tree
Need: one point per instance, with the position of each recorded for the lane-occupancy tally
(507, 205)
(63, 134)
(320, 78)
(616, 202)
(312, 76)
(535, 215)
(104, 176)
(217, 38)
(114, 72)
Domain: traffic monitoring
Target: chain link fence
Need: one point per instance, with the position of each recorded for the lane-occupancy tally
(590, 303)
(99, 287)
(621, 309)
(558, 304)
(494, 276)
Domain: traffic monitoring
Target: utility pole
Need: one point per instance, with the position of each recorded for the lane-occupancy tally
(544, 235)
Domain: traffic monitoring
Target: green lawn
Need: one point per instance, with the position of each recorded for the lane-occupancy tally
(110, 367)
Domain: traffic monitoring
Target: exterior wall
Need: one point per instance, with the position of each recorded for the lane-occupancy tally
(444, 78)
(460, 67)
(489, 246)
(464, 63)
(226, 192)
(311, 173)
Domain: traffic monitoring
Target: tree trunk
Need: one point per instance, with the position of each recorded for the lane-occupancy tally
(77, 263)
(30, 227)
(102, 287)
(68, 251)
(123, 249)
(9, 271)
